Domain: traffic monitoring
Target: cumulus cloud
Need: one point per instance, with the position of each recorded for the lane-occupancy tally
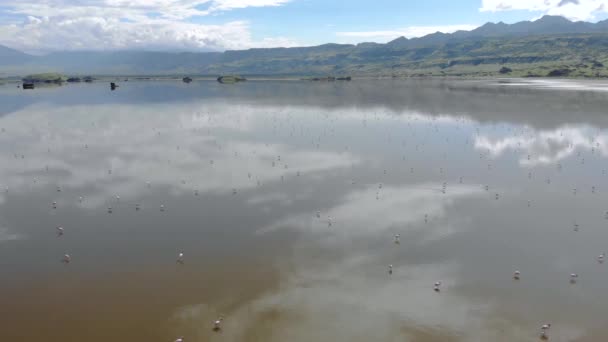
(408, 32)
(572, 9)
(546, 147)
(369, 211)
(238, 163)
(231, 4)
(138, 24)
(347, 296)
(5, 235)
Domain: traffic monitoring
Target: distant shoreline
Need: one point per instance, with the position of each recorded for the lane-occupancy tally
(178, 78)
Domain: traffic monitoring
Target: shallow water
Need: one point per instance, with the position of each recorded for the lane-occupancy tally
(479, 178)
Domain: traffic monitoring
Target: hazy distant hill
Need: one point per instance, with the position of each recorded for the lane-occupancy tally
(551, 46)
(119, 62)
(9, 56)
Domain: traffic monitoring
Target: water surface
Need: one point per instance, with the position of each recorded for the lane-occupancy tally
(285, 198)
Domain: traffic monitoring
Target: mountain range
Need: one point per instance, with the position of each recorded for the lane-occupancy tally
(549, 46)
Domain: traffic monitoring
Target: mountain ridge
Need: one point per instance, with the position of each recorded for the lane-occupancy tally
(531, 44)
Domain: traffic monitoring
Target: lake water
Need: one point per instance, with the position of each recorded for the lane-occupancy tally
(285, 198)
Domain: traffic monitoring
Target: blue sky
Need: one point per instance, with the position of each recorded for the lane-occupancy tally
(202, 25)
(317, 21)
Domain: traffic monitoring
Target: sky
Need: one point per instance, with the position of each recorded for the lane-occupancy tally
(42, 26)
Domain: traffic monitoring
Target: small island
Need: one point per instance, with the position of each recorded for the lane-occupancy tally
(230, 79)
(44, 78)
(328, 79)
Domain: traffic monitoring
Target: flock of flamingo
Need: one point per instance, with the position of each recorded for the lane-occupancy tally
(437, 286)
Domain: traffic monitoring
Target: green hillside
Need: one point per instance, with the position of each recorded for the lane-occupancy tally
(575, 55)
(548, 47)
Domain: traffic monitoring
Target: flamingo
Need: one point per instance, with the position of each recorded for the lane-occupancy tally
(573, 278)
(543, 331)
(437, 286)
(217, 324)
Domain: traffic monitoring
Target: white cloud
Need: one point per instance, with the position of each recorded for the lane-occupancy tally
(408, 32)
(159, 160)
(348, 297)
(231, 4)
(370, 211)
(138, 24)
(546, 147)
(572, 9)
(5, 235)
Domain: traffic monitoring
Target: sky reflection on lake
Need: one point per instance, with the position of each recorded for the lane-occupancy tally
(285, 198)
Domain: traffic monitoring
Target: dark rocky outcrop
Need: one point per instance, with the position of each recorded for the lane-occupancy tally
(230, 79)
(505, 70)
(564, 72)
